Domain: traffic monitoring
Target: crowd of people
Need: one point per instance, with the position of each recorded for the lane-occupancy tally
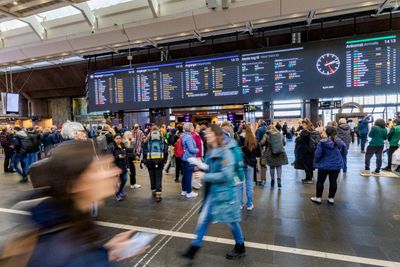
(226, 160)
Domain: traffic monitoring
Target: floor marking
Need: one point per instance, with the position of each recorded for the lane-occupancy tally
(268, 247)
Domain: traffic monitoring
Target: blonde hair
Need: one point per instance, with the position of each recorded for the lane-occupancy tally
(272, 129)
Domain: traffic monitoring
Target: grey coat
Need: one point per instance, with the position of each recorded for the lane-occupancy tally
(267, 158)
(344, 133)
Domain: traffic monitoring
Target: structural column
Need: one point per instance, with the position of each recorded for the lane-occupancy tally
(267, 112)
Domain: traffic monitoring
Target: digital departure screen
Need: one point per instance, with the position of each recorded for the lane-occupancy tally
(331, 68)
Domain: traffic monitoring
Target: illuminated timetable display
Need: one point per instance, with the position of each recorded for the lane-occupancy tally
(331, 68)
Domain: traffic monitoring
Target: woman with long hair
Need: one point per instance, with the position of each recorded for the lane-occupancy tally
(330, 158)
(127, 140)
(76, 178)
(251, 151)
(274, 154)
(220, 203)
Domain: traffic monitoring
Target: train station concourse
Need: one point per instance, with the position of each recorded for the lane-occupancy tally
(168, 133)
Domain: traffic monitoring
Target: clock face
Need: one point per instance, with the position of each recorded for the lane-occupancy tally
(328, 64)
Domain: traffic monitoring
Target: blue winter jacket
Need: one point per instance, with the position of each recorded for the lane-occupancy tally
(363, 126)
(330, 155)
(189, 146)
(220, 186)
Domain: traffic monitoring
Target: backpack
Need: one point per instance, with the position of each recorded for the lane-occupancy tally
(315, 137)
(155, 146)
(178, 148)
(276, 143)
(239, 162)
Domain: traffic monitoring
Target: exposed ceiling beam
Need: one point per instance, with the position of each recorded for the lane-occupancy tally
(28, 5)
(6, 2)
(152, 43)
(382, 6)
(197, 35)
(310, 17)
(36, 26)
(249, 27)
(155, 7)
(87, 13)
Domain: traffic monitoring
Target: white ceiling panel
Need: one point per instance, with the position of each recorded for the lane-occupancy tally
(242, 12)
(104, 38)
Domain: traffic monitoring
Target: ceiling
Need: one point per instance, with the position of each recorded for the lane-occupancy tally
(38, 33)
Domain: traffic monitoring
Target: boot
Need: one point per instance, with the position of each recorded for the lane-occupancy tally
(153, 193)
(158, 196)
(279, 183)
(272, 183)
(190, 252)
(237, 252)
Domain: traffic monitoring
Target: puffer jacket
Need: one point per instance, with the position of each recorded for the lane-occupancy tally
(344, 133)
(330, 155)
(189, 146)
(220, 187)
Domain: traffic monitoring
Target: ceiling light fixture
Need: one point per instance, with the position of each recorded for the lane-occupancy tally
(15, 3)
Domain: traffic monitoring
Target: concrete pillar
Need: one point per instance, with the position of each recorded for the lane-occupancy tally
(314, 111)
(267, 111)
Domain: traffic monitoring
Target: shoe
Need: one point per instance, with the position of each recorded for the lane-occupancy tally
(272, 183)
(24, 180)
(362, 151)
(237, 252)
(366, 172)
(119, 198)
(316, 200)
(331, 201)
(377, 171)
(279, 183)
(307, 181)
(190, 252)
(136, 186)
(192, 195)
(153, 193)
(158, 197)
(251, 207)
(388, 169)
(176, 180)
(183, 193)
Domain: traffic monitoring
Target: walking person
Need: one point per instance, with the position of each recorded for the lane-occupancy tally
(190, 150)
(394, 138)
(178, 153)
(306, 143)
(251, 150)
(363, 131)
(329, 159)
(22, 146)
(220, 203)
(127, 140)
(344, 133)
(118, 150)
(196, 184)
(7, 145)
(378, 135)
(260, 132)
(274, 154)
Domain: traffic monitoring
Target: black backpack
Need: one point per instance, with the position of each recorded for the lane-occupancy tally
(315, 137)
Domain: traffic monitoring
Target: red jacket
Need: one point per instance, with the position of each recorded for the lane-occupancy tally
(199, 144)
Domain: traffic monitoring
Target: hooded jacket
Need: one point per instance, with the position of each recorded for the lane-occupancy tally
(378, 134)
(330, 155)
(344, 133)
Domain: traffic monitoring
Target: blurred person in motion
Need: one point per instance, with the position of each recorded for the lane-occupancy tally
(8, 148)
(274, 154)
(352, 126)
(251, 150)
(118, 150)
(306, 143)
(344, 133)
(220, 203)
(394, 138)
(127, 140)
(378, 135)
(190, 150)
(63, 218)
(363, 130)
(155, 153)
(47, 141)
(329, 159)
(196, 184)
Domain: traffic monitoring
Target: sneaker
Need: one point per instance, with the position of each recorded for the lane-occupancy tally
(366, 172)
(362, 151)
(251, 207)
(237, 252)
(136, 186)
(192, 195)
(316, 200)
(119, 198)
(24, 180)
(306, 181)
(183, 193)
(331, 201)
(387, 169)
(377, 171)
(158, 196)
(190, 252)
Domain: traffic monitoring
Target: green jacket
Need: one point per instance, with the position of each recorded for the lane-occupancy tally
(394, 136)
(378, 135)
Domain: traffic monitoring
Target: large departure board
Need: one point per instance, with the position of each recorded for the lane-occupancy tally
(329, 68)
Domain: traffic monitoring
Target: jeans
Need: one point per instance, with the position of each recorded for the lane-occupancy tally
(20, 159)
(187, 177)
(249, 172)
(363, 138)
(178, 168)
(123, 178)
(8, 155)
(155, 175)
(309, 175)
(132, 170)
(31, 158)
(392, 149)
(322, 175)
(377, 151)
(205, 219)
(345, 164)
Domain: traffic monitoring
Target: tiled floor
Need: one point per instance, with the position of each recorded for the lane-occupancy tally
(364, 222)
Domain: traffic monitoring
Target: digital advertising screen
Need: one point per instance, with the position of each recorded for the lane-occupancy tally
(330, 68)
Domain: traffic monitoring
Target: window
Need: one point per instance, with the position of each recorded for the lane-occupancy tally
(11, 25)
(379, 109)
(368, 110)
(391, 112)
(287, 106)
(347, 110)
(347, 99)
(59, 13)
(287, 114)
(358, 100)
(391, 99)
(369, 100)
(297, 101)
(380, 99)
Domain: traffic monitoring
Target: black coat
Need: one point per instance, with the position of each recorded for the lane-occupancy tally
(121, 162)
(304, 157)
(249, 157)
